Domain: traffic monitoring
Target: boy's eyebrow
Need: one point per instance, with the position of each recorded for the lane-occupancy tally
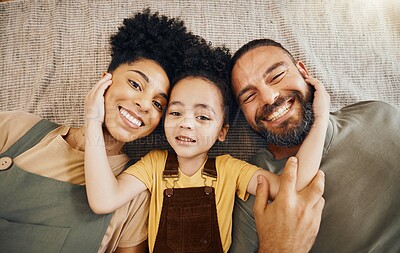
(268, 71)
(141, 74)
(207, 107)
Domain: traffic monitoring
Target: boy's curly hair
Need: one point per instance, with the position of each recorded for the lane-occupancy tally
(210, 63)
(151, 36)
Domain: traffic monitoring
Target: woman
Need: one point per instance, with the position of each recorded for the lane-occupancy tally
(44, 206)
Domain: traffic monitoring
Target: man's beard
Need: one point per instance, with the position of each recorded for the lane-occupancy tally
(295, 135)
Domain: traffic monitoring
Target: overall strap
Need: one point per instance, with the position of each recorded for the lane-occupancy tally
(171, 166)
(31, 138)
(210, 169)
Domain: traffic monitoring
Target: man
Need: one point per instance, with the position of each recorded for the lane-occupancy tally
(361, 157)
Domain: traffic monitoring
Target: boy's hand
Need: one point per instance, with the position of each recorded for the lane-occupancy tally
(94, 101)
(321, 101)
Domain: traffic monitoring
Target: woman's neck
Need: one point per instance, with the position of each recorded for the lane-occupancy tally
(113, 146)
(76, 139)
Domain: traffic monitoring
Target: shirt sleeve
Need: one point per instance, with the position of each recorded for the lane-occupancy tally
(146, 168)
(240, 171)
(13, 125)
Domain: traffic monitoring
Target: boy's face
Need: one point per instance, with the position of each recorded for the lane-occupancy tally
(135, 100)
(194, 118)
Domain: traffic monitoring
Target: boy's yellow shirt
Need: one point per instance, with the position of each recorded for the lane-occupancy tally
(233, 177)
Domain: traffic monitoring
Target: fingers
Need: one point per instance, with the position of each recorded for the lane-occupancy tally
(313, 192)
(289, 177)
(102, 85)
(94, 101)
(261, 199)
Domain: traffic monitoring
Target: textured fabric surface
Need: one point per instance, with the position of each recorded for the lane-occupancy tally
(52, 52)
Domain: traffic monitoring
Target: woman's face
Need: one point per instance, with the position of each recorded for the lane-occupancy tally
(135, 101)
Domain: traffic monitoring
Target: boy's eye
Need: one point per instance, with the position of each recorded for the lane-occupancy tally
(135, 85)
(202, 117)
(158, 105)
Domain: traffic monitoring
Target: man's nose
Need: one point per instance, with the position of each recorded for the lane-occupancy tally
(268, 94)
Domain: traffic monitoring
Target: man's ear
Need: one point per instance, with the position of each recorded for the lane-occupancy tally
(224, 131)
(302, 68)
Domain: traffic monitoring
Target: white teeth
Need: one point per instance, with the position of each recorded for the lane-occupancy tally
(279, 113)
(185, 139)
(130, 117)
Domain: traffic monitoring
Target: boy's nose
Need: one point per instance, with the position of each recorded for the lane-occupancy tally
(186, 123)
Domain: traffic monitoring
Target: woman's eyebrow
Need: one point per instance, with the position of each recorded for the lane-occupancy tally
(141, 74)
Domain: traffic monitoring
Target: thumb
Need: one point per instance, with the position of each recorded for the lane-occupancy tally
(262, 193)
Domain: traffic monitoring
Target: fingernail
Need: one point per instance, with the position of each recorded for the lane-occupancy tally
(293, 159)
(323, 173)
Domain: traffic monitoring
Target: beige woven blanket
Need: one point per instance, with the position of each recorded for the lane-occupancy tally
(52, 52)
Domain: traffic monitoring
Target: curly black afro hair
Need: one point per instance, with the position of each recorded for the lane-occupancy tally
(151, 36)
(209, 63)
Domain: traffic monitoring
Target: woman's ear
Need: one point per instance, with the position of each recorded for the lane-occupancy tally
(302, 68)
(224, 131)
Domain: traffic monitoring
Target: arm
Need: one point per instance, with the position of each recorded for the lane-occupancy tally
(141, 248)
(290, 223)
(105, 192)
(310, 152)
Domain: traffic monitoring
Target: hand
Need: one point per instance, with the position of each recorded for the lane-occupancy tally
(290, 223)
(94, 102)
(321, 101)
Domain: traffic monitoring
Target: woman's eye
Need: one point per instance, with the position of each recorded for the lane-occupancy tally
(135, 85)
(202, 117)
(158, 105)
(176, 114)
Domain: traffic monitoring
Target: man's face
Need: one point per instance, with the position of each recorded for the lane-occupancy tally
(273, 95)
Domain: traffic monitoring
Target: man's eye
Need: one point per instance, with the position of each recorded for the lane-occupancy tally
(135, 85)
(276, 77)
(158, 105)
(202, 117)
(249, 98)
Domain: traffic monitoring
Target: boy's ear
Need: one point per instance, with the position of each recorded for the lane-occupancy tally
(224, 131)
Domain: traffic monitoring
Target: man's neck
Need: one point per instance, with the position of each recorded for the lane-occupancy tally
(280, 153)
